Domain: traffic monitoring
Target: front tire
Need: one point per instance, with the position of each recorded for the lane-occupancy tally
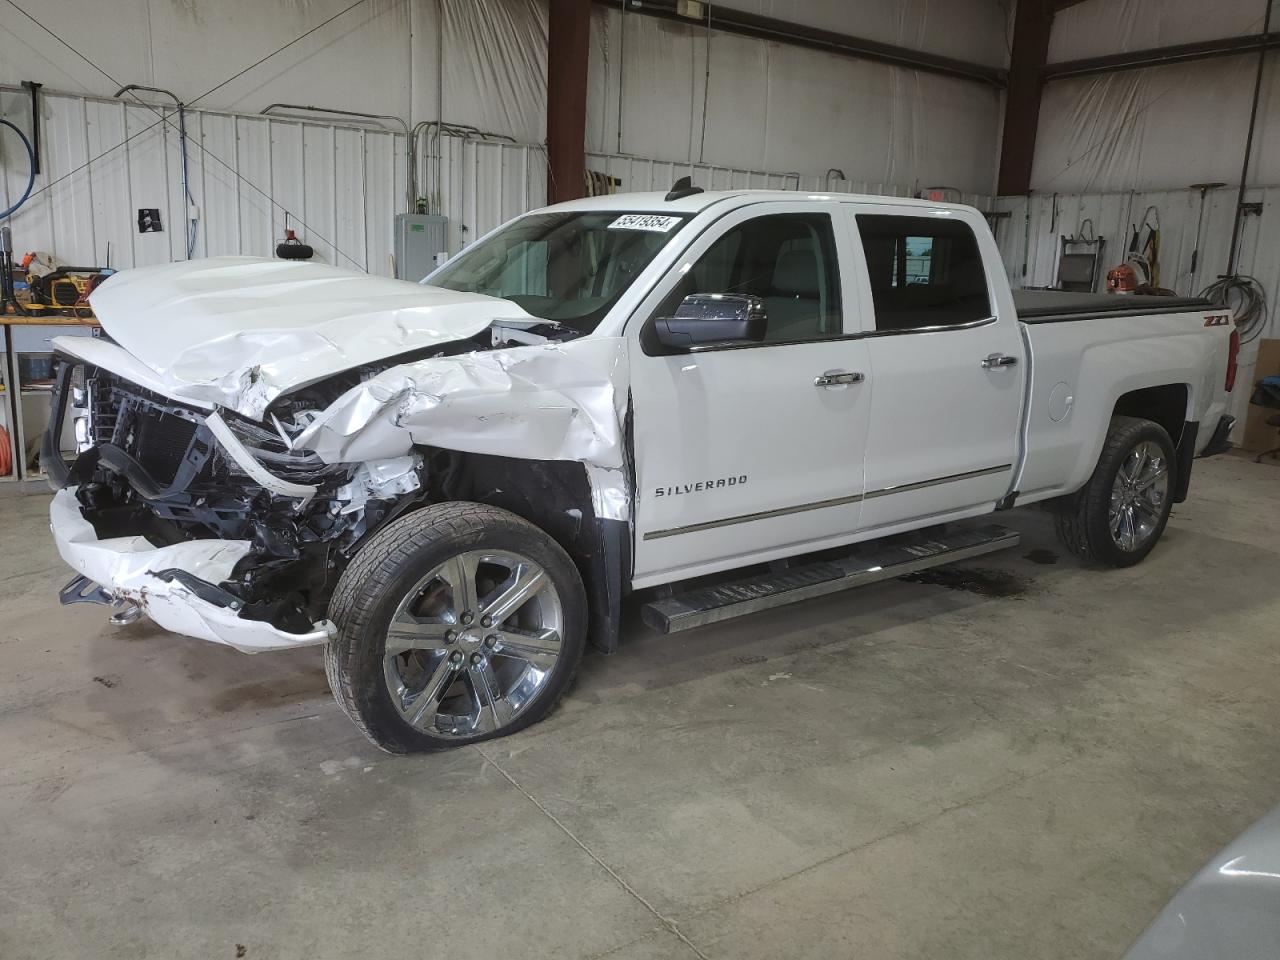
(457, 623)
(1120, 513)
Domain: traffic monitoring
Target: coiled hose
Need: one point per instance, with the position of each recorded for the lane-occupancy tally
(1245, 298)
(31, 168)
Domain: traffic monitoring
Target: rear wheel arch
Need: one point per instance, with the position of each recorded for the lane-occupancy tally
(1167, 404)
(1087, 519)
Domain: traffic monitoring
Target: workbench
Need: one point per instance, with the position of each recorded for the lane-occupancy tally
(24, 406)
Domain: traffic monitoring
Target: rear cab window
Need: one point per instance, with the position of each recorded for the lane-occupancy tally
(925, 272)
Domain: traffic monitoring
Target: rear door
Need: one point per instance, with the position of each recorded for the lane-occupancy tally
(947, 368)
(749, 452)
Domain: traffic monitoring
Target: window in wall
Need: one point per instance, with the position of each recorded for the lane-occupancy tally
(924, 271)
(788, 260)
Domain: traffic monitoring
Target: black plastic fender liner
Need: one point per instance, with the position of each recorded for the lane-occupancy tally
(606, 583)
(555, 496)
(1186, 450)
(1219, 443)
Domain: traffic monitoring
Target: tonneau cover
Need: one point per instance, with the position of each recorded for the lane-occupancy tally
(1043, 306)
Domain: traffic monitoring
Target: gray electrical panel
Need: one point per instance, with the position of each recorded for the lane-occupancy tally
(421, 244)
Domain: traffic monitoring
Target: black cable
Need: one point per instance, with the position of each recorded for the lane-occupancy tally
(165, 120)
(31, 168)
(1245, 298)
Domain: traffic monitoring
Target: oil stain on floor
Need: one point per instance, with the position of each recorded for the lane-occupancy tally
(1041, 556)
(978, 580)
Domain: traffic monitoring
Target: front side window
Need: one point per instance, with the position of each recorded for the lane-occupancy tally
(924, 272)
(788, 260)
(566, 267)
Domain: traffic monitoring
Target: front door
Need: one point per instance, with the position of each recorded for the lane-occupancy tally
(947, 371)
(748, 452)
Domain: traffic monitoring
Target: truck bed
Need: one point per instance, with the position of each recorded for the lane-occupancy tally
(1058, 306)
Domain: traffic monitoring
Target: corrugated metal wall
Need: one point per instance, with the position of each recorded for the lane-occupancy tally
(1029, 239)
(483, 183)
(341, 184)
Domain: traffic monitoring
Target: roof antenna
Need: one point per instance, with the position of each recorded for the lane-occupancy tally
(682, 188)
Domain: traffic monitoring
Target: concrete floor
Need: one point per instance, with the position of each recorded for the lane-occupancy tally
(903, 771)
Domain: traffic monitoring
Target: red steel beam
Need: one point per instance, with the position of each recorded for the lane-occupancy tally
(568, 44)
(1032, 23)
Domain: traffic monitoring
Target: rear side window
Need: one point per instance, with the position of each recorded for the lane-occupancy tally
(924, 271)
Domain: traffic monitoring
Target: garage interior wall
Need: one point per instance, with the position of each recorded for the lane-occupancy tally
(1111, 146)
(776, 116)
(676, 92)
(341, 182)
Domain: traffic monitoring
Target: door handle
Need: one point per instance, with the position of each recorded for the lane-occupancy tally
(998, 360)
(834, 378)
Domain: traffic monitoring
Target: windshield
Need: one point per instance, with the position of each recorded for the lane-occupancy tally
(566, 267)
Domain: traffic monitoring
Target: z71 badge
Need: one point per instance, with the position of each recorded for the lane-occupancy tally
(700, 486)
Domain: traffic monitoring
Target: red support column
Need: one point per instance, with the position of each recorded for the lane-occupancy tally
(1031, 25)
(568, 43)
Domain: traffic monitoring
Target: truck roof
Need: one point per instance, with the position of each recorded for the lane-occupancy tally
(656, 202)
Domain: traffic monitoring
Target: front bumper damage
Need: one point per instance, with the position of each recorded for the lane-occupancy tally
(181, 585)
(176, 585)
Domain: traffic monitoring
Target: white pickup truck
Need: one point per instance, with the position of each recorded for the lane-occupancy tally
(454, 485)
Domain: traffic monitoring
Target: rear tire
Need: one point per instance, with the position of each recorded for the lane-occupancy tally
(1118, 516)
(457, 623)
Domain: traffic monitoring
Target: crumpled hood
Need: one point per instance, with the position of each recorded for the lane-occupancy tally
(240, 331)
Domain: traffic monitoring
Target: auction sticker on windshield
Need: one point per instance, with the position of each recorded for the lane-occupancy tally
(644, 221)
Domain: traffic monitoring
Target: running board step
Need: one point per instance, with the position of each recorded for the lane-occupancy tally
(738, 598)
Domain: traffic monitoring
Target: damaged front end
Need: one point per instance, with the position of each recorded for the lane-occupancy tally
(230, 464)
(215, 526)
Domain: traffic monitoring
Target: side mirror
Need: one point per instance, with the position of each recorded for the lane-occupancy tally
(703, 319)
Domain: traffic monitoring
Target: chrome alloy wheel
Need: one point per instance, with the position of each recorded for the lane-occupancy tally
(473, 643)
(1138, 495)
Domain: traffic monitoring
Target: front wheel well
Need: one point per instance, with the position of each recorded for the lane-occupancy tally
(1165, 405)
(555, 496)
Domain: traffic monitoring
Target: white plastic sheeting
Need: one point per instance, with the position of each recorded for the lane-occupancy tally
(770, 106)
(1030, 236)
(1096, 28)
(975, 30)
(495, 67)
(360, 60)
(1157, 128)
